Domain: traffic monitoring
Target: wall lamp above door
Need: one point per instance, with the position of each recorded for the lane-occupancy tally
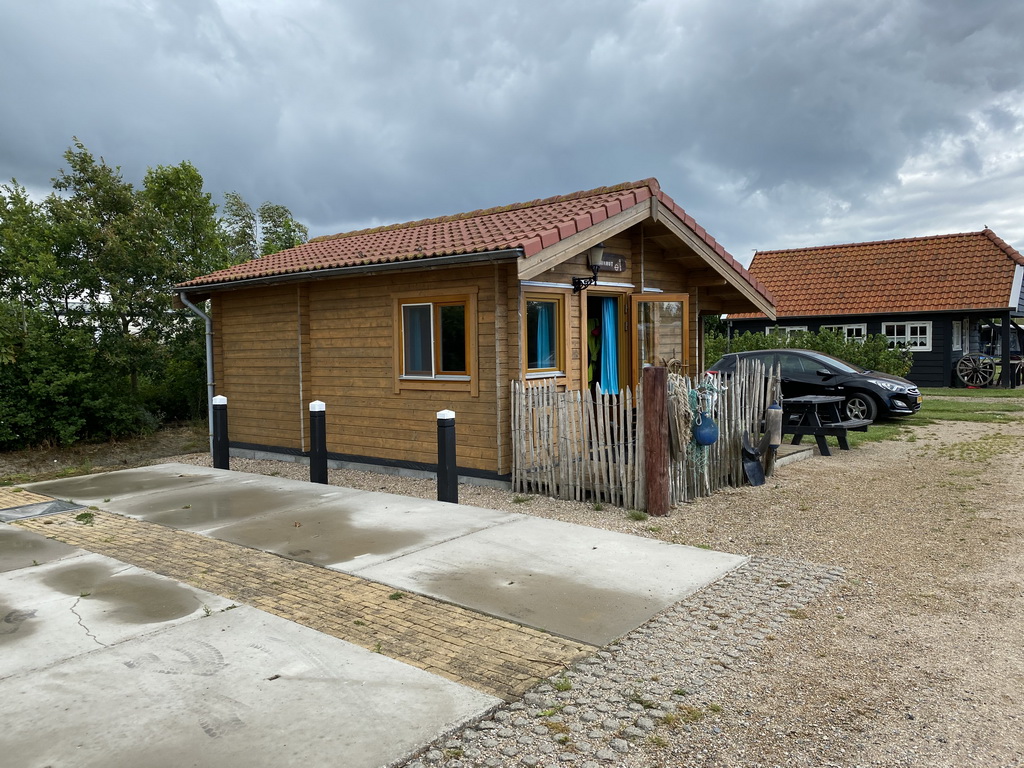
(595, 255)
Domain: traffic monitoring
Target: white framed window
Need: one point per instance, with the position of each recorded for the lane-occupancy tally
(960, 337)
(916, 336)
(783, 331)
(855, 331)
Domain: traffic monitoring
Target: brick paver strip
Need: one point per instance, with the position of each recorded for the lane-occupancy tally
(19, 497)
(489, 654)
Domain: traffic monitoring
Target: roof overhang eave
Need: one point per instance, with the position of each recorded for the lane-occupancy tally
(431, 262)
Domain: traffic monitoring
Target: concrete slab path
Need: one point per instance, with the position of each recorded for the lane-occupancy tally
(203, 617)
(108, 665)
(579, 582)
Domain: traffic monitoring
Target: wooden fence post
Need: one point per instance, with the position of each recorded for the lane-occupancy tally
(656, 456)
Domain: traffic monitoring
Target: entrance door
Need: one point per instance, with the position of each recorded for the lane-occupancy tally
(604, 347)
(661, 332)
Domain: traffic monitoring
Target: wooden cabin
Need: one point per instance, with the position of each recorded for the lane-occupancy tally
(388, 326)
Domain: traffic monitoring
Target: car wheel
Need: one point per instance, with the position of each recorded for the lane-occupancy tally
(861, 406)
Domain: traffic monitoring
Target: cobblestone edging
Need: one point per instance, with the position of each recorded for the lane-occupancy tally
(635, 692)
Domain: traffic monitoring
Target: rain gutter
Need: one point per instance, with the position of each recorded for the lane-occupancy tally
(431, 262)
(209, 359)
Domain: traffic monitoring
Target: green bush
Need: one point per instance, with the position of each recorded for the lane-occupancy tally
(871, 352)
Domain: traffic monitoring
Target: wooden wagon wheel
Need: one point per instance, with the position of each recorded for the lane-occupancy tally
(976, 370)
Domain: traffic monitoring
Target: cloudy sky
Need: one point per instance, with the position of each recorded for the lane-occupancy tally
(781, 123)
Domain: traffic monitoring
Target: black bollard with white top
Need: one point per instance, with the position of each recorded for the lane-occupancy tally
(318, 442)
(221, 458)
(447, 473)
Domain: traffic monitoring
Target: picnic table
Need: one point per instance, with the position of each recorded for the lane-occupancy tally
(819, 416)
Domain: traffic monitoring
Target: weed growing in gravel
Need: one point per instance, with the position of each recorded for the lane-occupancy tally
(552, 711)
(636, 514)
(637, 698)
(716, 708)
(657, 741)
(598, 506)
(557, 727)
(396, 596)
(690, 714)
(798, 613)
(85, 518)
(562, 684)
(517, 499)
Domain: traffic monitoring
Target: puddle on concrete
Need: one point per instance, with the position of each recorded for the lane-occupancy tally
(555, 603)
(209, 505)
(325, 537)
(21, 549)
(15, 623)
(114, 484)
(132, 598)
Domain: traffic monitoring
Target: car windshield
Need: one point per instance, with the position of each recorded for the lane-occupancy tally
(833, 363)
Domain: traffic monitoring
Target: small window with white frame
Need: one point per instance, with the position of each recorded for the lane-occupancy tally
(783, 331)
(915, 336)
(854, 331)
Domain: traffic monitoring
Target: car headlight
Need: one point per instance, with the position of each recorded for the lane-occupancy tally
(888, 385)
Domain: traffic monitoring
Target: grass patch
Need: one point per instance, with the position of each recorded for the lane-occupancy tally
(85, 518)
(982, 450)
(636, 514)
(1009, 394)
(562, 684)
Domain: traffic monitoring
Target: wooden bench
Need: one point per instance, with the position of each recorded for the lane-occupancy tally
(818, 416)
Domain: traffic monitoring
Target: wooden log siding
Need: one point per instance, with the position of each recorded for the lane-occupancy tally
(258, 350)
(352, 369)
(571, 445)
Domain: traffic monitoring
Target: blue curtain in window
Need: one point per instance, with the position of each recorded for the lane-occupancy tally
(545, 336)
(609, 380)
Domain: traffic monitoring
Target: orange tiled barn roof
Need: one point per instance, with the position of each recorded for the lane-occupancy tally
(529, 227)
(972, 270)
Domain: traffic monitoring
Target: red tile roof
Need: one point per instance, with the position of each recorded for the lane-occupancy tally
(973, 270)
(528, 227)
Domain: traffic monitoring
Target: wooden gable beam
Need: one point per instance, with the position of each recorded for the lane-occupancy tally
(713, 260)
(565, 249)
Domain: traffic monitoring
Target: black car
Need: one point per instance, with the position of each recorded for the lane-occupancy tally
(869, 394)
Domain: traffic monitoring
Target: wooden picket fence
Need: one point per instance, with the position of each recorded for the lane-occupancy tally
(573, 445)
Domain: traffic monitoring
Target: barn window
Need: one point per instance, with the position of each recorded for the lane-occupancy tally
(915, 336)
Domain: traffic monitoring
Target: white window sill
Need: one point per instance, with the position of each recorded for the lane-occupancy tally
(546, 375)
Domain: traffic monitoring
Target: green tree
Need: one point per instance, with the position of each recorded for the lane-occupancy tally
(251, 234)
(89, 344)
